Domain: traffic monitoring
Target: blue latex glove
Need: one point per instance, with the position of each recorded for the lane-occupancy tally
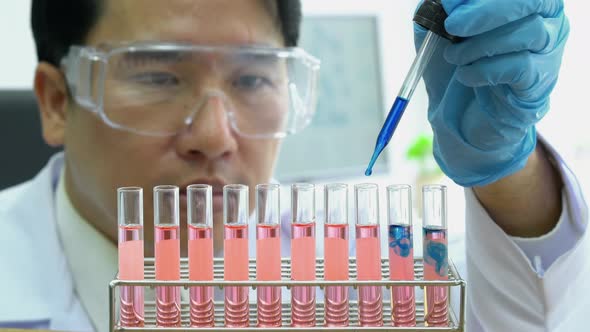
(487, 92)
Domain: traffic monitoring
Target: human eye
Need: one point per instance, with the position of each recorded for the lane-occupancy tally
(155, 79)
(251, 82)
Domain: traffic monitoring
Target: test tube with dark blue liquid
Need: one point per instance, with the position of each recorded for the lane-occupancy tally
(435, 252)
(401, 254)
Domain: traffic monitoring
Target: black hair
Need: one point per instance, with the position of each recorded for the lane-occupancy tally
(58, 24)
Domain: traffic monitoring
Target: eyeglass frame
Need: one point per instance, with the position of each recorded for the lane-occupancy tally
(72, 69)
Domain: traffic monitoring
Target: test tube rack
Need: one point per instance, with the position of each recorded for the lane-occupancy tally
(454, 281)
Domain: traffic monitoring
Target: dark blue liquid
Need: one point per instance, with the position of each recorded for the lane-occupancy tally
(393, 118)
(435, 250)
(400, 239)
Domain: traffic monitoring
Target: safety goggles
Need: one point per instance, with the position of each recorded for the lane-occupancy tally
(158, 89)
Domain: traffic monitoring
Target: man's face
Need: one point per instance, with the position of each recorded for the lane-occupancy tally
(100, 159)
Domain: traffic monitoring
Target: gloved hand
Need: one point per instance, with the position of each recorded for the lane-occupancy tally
(487, 92)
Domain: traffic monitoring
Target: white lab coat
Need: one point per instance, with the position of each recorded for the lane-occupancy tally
(504, 291)
(508, 292)
(36, 288)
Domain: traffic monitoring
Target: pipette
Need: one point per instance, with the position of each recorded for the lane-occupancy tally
(431, 15)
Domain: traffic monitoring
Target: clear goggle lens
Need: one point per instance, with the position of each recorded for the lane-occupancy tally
(159, 89)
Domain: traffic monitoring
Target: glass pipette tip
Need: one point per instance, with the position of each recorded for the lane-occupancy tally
(401, 102)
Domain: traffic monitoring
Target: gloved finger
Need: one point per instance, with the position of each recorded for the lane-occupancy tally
(450, 5)
(474, 17)
(527, 34)
(516, 69)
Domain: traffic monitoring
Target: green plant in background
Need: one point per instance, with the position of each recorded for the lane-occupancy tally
(421, 151)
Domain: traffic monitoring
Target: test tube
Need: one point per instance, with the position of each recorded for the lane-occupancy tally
(167, 254)
(436, 300)
(268, 254)
(200, 253)
(235, 253)
(336, 253)
(303, 254)
(368, 253)
(401, 254)
(130, 215)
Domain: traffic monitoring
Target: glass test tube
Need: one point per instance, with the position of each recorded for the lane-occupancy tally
(167, 254)
(368, 253)
(401, 254)
(130, 215)
(436, 300)
(268, 254)
(235, 253)
(303, 254)
(336, 253)
(200, 253)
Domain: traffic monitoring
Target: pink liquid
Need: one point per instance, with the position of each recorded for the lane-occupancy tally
(200, 257)
(131, 268)
(368, 259)
(235, 261)
(268, 268)
(336, 268)
(436, 300)
(303, 269)
(401, 267)
(167, 259)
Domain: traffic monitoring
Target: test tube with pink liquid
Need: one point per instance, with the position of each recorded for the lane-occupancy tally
(436, 266)
(235, 253)
(401, 254)
(130, 216)
(336, 254)
(167, 254)
(268, 254)
(200, 253)
(368, 253)
(303, 254)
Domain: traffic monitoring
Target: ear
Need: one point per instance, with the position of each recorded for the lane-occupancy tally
(52, 99)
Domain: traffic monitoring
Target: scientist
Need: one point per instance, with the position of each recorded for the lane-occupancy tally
(154, 92)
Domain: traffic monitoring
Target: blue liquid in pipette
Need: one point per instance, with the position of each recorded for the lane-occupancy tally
(395, 114)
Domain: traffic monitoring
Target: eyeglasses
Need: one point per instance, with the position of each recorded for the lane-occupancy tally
(158, 89)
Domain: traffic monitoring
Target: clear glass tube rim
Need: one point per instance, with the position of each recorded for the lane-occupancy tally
(335, 186)
(368, 216)
(235, 187)
(434, 187)
(165, 187)
(199, 186)
(129, 189)
(274, 192)
(175, 217)
(366, 186)
(332, 190)
(268, 186)
(434, 197)
(307, 214)
(243, 204)
(398, 186)
(196, 189)
(122, 196)
(403, 189)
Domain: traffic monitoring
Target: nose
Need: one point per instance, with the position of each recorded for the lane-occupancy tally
(209, 134)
